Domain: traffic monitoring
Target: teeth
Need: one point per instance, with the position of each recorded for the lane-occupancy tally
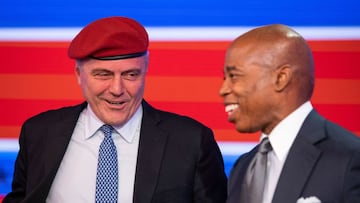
(115, 102)
(231, 107)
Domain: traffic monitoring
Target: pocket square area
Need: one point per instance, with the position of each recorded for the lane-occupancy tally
(308, 200)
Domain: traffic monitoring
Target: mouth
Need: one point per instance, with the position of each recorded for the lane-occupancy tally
(230, 108)
(115, 102)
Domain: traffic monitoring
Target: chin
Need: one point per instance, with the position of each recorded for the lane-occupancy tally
(243, 129)
(117, 122)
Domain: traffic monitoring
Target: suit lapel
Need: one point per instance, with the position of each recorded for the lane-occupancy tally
(237, 176)
(302, 158)
(57, 144)
(60, 137)
(151, 148)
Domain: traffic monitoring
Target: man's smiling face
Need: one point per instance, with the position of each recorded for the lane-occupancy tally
(114, 89)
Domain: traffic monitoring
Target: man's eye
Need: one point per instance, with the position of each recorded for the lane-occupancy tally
(131, 75)
(102, 75)
(231, 76)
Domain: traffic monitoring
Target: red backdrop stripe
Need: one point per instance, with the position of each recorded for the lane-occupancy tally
(175, 58)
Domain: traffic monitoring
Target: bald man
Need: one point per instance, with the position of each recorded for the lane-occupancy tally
(267, 87)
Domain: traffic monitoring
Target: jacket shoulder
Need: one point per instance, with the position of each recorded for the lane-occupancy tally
(56, 114)
(342, 137)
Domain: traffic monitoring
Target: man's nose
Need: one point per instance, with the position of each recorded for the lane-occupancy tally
(117, 85)
(224, 88)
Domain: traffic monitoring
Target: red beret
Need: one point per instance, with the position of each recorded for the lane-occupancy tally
(109, 39)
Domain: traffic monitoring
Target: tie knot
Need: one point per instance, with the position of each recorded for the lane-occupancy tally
(107, 130)
(265, 146)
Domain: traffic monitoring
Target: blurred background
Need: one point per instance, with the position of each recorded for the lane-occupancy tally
(187, 45)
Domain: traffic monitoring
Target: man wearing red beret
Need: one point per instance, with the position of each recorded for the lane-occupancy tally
(115, 147)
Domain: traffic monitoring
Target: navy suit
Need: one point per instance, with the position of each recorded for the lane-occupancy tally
(178, 158)
(324, 161)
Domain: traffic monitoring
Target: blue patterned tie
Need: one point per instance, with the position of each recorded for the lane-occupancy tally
(107, 171)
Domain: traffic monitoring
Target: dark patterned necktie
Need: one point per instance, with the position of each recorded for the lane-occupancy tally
(107, 171)
(254, 181)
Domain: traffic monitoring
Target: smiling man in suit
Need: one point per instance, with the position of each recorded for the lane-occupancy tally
(115, 147)
(268, 84)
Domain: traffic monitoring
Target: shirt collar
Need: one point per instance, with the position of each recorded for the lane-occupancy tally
(284, 134)
(127, 131)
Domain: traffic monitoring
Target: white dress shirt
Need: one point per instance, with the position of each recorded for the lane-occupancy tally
(281, 139)
(75, 181)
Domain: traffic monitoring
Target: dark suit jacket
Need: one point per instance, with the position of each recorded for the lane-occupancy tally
(324, 161)
(178, 158)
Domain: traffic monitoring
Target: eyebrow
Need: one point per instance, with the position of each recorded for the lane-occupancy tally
(230, 68)
(132, 70)
(107, 70)
(100, 70)
(234, 69)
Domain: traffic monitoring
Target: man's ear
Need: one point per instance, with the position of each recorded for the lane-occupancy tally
(77, 74)
(283, 77)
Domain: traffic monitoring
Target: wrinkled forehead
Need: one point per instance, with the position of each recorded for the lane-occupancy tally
(136, 62)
